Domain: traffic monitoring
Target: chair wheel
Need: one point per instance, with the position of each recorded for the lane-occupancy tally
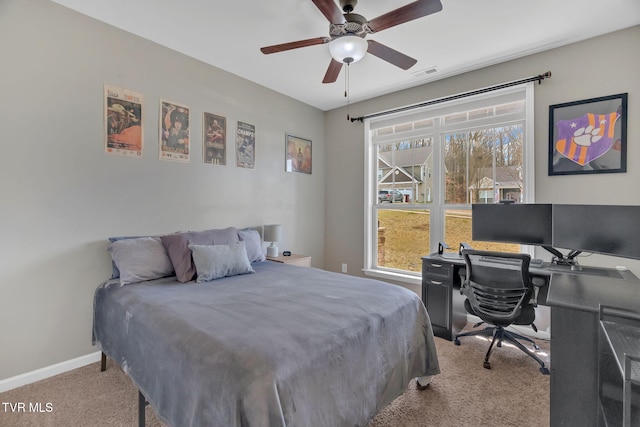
(486, 365)
(456, 341)
(545, 371)
(536, 347)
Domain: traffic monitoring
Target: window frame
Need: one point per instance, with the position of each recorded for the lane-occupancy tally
(437, 207)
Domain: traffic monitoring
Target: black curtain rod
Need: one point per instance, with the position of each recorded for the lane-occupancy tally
(537, 78)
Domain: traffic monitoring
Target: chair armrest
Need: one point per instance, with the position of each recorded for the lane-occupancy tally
(462, 272)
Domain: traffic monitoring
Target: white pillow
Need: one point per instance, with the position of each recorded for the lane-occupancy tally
(217, 261)
(140, 259)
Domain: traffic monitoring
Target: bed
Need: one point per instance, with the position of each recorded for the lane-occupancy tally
(282, 346)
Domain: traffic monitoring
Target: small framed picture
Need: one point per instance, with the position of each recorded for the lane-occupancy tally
(245, 145)
(123, 122)
(174, 132)
(298, 154)
(215, 139)
(588, 136)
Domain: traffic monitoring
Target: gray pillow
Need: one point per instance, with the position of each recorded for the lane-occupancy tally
(217, 261)
(140, 259)
(252, 243)
(177, 247)
(115, 273)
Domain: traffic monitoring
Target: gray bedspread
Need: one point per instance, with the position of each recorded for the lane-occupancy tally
(286, 346)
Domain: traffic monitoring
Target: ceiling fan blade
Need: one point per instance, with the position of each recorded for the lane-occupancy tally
(407, 13)
(390, 55)
(332, 72)
(330, 10)
(294, 45)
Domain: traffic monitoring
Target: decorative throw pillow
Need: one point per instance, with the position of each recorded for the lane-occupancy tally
(252, 243)
(217, 261)
(140, 259)
(177, 247)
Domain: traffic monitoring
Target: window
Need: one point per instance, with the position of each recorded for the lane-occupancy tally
(425, 167)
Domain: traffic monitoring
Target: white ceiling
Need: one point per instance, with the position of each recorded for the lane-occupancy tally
(465, 35)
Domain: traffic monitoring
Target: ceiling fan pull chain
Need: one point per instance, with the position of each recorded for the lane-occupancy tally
(346, 88)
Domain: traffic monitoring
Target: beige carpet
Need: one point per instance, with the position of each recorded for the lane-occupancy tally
(512, 393)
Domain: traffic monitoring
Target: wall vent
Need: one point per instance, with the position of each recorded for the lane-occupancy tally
(425, 72)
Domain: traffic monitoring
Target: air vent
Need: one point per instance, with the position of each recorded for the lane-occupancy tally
(425, 72)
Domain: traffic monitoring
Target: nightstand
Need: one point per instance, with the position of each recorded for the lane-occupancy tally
(293, 259)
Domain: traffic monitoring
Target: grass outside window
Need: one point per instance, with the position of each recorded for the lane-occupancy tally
(403, 237)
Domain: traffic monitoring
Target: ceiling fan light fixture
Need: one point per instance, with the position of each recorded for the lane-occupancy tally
(348, 49)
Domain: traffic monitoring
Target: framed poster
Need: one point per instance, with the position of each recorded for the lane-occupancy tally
(122, 122)
(588, 136)
(245, 145)
(298, 154)
(174, 132)
(214, 149)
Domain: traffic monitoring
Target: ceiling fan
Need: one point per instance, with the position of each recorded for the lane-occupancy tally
(348, 30)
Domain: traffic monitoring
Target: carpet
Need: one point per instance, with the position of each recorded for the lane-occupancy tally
(512, 393)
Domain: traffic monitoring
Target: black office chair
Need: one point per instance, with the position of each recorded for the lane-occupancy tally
(500, 292)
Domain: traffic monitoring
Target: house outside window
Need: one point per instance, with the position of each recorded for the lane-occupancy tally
(442, 159)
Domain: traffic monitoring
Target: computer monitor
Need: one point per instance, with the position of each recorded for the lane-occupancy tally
(525, 224)
(603, 229)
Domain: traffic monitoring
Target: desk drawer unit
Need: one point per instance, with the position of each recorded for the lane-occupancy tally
(437, 288)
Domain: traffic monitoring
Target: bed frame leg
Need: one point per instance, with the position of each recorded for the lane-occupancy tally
(423, 382)
(103, 362)
(142, 402)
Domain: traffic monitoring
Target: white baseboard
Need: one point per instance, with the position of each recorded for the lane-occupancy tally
(526, 331)
(49, 371)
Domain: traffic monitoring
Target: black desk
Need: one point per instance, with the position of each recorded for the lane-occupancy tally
(574, 298)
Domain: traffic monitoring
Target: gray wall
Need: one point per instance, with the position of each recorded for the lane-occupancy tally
(61, 196)
(601, 66)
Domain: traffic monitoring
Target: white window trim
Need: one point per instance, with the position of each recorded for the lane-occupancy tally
(368, 200)
(398, 276)
(370, 229)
